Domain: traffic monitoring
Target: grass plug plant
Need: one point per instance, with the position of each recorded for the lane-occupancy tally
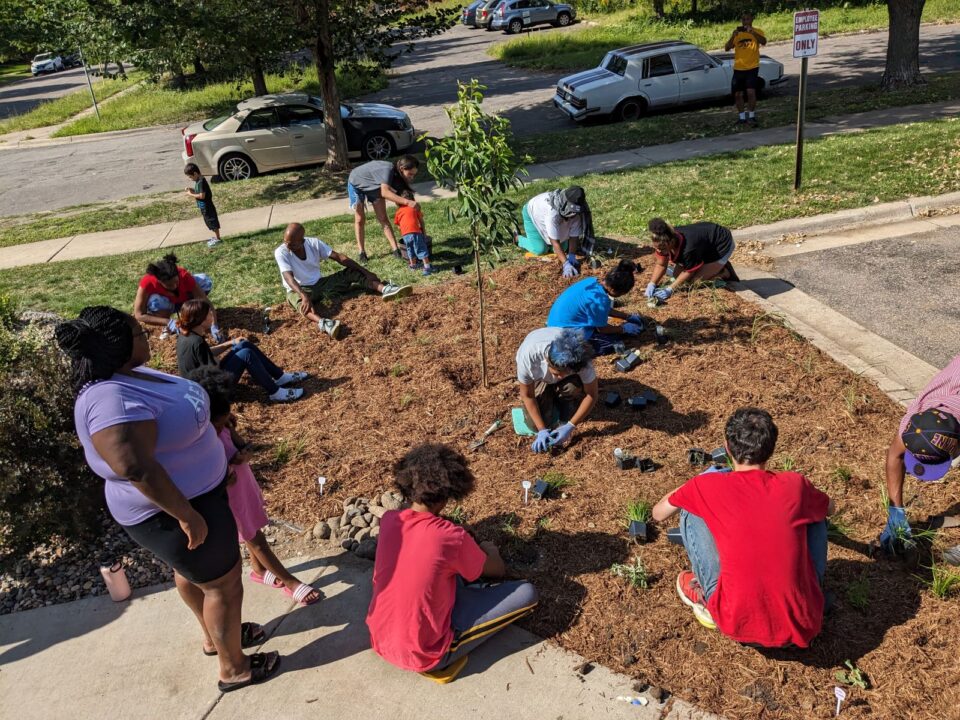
(852, 676)
(634, 573)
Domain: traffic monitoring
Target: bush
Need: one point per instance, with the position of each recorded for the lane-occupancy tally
(46, 488)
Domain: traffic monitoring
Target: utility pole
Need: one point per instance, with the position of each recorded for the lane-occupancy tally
(90, 83)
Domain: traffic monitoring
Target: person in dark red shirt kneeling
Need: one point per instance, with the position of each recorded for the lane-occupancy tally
(757, 542)
(429, 607)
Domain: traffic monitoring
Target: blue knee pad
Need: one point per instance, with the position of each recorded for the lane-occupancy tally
(204, 282)
(159, 303)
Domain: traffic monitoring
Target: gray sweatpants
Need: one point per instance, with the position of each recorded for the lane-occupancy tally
(483, 609)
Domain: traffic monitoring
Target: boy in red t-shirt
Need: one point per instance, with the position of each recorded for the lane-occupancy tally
(414, 232)
(757, 542)
(428, 609)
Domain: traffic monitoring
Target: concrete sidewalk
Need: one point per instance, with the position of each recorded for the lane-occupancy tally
(163, 235)
(93, 658)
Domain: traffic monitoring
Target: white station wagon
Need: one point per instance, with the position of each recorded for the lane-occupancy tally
(634, 79)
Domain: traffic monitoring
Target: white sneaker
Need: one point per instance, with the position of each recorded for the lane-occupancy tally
(291, 378)
(393, 292)
(330, 327)
(213, 241)
(287, 395)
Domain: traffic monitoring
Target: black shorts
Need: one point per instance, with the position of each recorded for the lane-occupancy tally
(211, 220)
(746, 80)
(161, 534)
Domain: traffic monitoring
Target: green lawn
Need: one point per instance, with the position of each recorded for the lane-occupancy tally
(156, 104)
(313, 182)
(12, 72)
(736, 189)
(63, 108)
(585, 47)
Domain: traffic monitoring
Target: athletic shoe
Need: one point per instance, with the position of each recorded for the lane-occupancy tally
(213, 241)
(690, 592)
(330, 327)
(362, 257)
(291, 378)
(287, 395)
(951, 555)
(393, 292)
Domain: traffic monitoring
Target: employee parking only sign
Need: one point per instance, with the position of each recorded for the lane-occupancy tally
(806, 29)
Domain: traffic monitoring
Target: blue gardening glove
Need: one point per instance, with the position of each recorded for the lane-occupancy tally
(651, 289)
(572, 259)
(172, 325)
(215, 333)
(663, 294)
(632, 328)
(562, 434)
(541, 443)
(569, 270)
(896, 518)
(635, 319)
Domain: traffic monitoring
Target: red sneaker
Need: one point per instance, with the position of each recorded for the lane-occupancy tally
(690, 592)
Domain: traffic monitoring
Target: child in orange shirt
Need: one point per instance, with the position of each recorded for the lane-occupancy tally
(414, 234)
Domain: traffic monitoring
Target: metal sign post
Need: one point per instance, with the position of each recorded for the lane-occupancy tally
(89, 83)
(806, 31)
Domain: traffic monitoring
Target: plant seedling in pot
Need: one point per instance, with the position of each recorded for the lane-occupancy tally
(637, 402)
(541, 489)
(556, 481)
(660, 332)
(646, 465)
(624, 460)
(719, 456)
(639, 513)
(674, 536)
(650, 396)
(697, 457)
(611, 399)
(629, 361)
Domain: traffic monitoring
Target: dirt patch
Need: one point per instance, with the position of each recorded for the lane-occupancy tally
(407, 373)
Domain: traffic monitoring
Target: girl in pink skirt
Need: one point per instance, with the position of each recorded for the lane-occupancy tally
(246, 500)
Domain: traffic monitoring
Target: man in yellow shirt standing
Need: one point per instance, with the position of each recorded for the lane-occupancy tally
(745, 43)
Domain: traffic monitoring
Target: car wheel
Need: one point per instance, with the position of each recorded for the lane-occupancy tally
(563, 19)
(377, 146)
(236, 167)
(514, 27)
(630, 109)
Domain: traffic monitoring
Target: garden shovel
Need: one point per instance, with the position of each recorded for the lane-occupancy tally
(497, 424)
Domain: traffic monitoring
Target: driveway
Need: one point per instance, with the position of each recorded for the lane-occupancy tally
(25, 95)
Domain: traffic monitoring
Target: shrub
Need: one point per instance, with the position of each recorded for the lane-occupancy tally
(46, 488)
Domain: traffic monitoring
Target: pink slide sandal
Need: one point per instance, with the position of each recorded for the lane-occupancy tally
(302, 591)
(268, 579)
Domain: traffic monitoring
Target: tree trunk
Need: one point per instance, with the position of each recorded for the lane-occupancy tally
(483, 338)
(693, 7)
(337, 158)
(903, 45)
(198, 67)
(658, 8)
(259, 81)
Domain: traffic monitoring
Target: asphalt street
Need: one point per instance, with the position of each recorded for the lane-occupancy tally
(904, 289)
(423, 84)
(23, 96)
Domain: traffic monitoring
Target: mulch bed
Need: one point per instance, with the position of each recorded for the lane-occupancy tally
(407, 372)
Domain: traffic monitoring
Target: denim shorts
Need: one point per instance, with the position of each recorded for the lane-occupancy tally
(358, 196)
(416, 246)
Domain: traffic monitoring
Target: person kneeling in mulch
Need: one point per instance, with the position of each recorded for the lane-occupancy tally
(558, 222)
(588, 305)
(437, 593)
(757, 542)
(557, 385)
(243, 492)
(700, 251)
(299, 260)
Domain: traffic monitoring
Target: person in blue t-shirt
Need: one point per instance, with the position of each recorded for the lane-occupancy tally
(588, 304)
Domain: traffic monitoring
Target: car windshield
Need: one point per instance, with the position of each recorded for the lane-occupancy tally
(615, 63)
(42, 57)
(215, 122)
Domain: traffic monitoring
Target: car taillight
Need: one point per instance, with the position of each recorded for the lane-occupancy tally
(483, 13)
(501, 11)
(188, 142)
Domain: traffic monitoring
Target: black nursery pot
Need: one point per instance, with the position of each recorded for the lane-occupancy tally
(719, 456)
(697, 456)
(646, 465)
(540, 489)
(638, 530)
(628, 362)
(674, 536)
(626, 462)
(650, 396)
(637, 402)
(611, 399)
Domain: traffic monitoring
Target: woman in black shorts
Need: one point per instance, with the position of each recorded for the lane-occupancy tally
(148, 435)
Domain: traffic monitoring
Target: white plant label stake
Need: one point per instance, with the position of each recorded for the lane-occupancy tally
(841, 696)
(320, 481)
(526, 485)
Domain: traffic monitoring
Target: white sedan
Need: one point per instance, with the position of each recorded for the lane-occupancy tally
(630, 81)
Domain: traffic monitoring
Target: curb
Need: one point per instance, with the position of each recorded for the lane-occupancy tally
(880, 214)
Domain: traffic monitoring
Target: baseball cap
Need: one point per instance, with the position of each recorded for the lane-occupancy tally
(932, 439)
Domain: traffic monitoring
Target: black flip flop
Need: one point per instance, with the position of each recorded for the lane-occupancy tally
(251, 635)
(260, 670)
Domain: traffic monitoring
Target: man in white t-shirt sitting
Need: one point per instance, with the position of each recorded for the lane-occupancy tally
(299, 260)
(557, 383)
(556, 221)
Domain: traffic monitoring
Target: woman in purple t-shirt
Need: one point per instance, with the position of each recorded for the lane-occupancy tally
(148, 434)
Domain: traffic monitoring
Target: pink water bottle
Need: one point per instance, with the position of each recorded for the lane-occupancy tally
(116, 581)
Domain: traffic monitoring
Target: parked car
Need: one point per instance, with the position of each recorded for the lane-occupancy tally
(485, 13)
(632, 80)
(515, 15)
(70, 59)
(280, 131)
(46, 63)
(468, 15)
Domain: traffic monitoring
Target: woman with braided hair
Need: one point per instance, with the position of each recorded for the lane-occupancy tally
(149, 436)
